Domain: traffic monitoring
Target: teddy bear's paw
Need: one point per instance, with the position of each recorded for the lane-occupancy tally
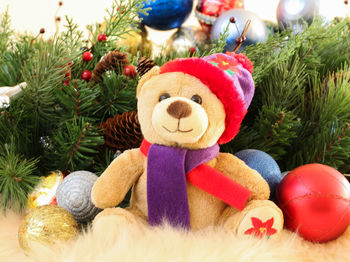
(261, 222)
(112, 220)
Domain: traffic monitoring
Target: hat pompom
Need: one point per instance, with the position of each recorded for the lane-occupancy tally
(243, 60)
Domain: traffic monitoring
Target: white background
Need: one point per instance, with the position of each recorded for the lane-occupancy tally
(31, 15)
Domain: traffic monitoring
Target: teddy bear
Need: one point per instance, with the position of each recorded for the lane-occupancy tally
(186, 109)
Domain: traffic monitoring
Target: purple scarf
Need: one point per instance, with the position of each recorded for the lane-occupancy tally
(166, 182)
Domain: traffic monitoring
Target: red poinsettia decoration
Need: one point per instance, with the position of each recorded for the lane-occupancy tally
(226, 64)
(261, 229)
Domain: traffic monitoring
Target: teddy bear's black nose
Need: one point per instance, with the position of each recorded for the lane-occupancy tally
(179, 109)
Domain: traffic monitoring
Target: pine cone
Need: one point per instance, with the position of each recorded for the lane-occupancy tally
(115, 60)
(144, 64)
(122, 132)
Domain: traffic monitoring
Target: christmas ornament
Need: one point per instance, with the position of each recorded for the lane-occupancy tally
(87, 56)
(186, 38)
(315, 200)
(86, 75)
(136, 42)
(122, 132)
(257, 31)
(101, 37)
(144, 64)
(207, 11)
(264, 164)
(46, 224)
(166, 14)
(114, 60)
(130, 71)
(74, 195)
(45, 192)
(292, 13)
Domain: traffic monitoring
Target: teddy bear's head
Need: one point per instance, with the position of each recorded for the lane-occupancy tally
(195, 102)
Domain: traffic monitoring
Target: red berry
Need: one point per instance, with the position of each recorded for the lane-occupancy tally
(102, 37)
(67, 74)
(87, 56)
(66, 82)
(130, 71)
(192, 50)
(86, 75)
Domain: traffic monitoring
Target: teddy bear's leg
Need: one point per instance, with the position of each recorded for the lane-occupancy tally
(259, 218)
(112, 219)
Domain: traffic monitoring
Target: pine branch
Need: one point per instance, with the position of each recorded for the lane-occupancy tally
(117, 95)
(337, 152)
(74, 145)
(17, 178)
(72, 37)
(77, 99)
(5, 32)
(273, 132)
(44, 74)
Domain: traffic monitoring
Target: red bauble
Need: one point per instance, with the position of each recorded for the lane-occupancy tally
(87, 56)
(86, 75)
(130, 71)
(101, 37)
(315, 200)
(208, 10)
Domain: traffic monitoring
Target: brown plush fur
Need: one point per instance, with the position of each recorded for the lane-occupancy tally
(207, 122)
(167, 244)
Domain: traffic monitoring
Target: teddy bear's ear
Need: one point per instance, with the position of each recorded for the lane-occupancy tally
(151, 73)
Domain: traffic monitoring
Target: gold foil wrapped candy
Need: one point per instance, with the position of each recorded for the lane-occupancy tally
(46, 224)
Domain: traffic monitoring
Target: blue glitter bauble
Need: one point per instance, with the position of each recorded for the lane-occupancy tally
(264, 164)
(257, 31)
(167, 14)
(292, 13)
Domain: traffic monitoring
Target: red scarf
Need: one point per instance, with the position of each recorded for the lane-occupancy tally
(213, 182)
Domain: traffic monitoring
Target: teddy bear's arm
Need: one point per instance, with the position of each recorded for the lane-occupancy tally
(237, 170)
(111, 187)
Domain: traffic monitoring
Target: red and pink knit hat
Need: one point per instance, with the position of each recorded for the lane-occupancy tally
(229, 77)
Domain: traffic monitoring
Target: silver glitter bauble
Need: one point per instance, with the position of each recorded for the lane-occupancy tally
(257, 31)
(74, 195)
(292, 13)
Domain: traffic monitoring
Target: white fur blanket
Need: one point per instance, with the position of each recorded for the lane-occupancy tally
(166, 244)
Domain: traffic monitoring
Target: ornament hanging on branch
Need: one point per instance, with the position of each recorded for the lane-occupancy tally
(264, 164)
(114, 60)
(237, 21)
(122, 132)
(134, 41)
(74, 195)
(137, 42)
(292, 13)
(186, 38)
(315, 201)
(45, 192)
(166, 14)
(207, 11)
(47, 225)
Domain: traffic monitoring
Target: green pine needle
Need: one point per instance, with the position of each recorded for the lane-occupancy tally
(17, 178)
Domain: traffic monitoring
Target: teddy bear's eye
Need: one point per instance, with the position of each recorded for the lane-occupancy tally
(197, 99)
(163, 96)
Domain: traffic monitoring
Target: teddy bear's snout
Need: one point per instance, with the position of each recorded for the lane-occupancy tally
(179, 109)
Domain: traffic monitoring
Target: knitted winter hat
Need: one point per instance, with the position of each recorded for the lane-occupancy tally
(229, 77)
